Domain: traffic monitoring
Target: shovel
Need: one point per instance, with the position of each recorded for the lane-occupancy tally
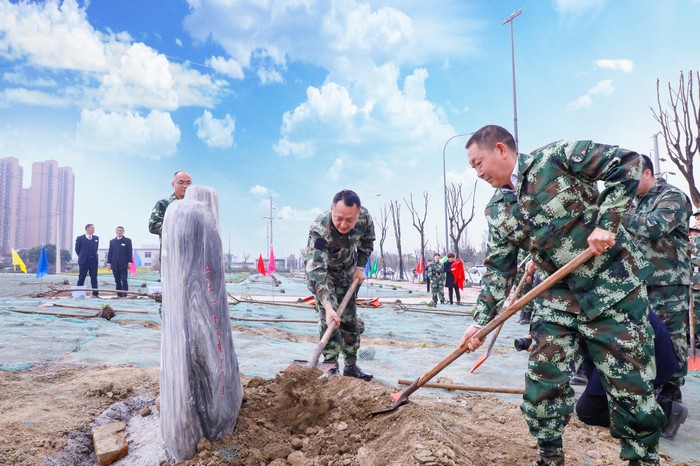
(327, 335)
(402, 397)
(480, 360)
(693, 360)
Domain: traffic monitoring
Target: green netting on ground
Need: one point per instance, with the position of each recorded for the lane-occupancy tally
(396, 344)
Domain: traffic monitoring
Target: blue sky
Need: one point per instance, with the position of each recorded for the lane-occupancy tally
(298, 99)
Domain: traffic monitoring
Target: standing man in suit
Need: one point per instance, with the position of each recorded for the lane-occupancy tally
(119, 260)
(86, 248)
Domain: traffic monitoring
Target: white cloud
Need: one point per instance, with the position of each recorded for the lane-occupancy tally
(263, 191)
(215, 133)
(142, 80)
(56, 35)
(128, 134)
(31, 97)
(334, 172)
(304, 216)
(622, 64)
(229, 67)
(23, 79)
(603, 88)
(259, 190)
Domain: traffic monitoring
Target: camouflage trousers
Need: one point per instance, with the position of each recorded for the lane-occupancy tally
(696, 312)
(438, 287)
(620, 342)
(671, 303)
(346, 339)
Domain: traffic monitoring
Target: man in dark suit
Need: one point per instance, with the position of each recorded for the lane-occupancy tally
(119, 260)
(86, 248)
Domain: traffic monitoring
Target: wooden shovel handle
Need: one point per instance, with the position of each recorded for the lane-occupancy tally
(332, 327)
(500, 318)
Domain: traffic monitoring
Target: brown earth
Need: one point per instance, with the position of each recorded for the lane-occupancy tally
(294, 419)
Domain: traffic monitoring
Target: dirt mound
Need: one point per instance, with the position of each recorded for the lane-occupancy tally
(301, 419)
(294, 419)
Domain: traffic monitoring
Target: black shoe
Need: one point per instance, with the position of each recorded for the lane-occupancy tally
(679, 414)
(353, 370)
(671, 392)
(524, 318)
(331, 372)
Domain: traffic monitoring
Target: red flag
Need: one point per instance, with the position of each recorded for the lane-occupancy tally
(271, 268)
(261, 265)
(132, 269)
(458, 273)
(419, 267)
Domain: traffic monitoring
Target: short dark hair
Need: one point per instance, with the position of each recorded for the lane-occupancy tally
(490, 135)
(119, 227)
(450, 255)
(349, 198)
(89, 225)
(647, 163)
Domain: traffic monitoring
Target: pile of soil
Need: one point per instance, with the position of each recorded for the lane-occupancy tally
(294, 419)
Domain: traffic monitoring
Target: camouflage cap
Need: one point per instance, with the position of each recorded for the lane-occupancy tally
(697, 212)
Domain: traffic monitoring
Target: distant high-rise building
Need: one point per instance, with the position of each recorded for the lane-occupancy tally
(10, 204)
(50, 205)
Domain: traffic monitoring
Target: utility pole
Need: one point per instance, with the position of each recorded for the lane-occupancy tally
(657, 162)
(512, 53)
(270, 242)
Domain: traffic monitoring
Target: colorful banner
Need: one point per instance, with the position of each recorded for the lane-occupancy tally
(42, 267)
(16, 260)
(261, 266)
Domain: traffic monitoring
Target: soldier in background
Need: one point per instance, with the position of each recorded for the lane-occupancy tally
(436, 275)
(695, 280)
(181, 181)
(659, 224)
(560, 213)
(341, 241)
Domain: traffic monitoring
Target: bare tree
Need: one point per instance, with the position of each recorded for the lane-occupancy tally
(455, 212)
(419, 222)
(680, 126)
(246, 256)
(395, 207)
(382, 223)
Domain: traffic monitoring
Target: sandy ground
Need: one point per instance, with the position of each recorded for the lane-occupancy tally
(296, 418)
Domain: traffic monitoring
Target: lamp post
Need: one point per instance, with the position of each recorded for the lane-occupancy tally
(444, 180)
(512, 54)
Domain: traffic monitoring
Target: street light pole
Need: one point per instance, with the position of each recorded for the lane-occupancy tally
(512, 54)
(444, 181)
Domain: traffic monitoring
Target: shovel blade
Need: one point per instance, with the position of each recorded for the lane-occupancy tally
(322, 366)
(479, 361)
(694, 363)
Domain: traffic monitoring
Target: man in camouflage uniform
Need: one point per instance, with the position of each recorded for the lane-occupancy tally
(660, 225)
(181, 180)
(494, 286)
(436, 274)
(695, 281)
(341, 241)
(559, 214)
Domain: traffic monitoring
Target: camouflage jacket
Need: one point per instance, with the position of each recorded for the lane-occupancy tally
(660, 225)
(695, 261)
(436, 272)
(501, 252)
(558, 206)
(155, 223)
(331, 258)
